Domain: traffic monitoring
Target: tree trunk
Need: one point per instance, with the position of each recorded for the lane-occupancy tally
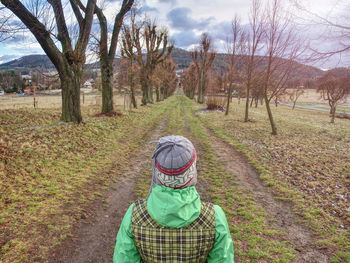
(294, 104)
(157, 94)
(200, 90)
(247, 104)
(133, 99)
(132, 89)
(251, 102)
(144, 87)
(107, 86)
(256, 102)
(229, 94)
(272, 122)
(144, 93)
(162, 94)
(192, 93)
(149, 93)
(332, 112)
(70, 85)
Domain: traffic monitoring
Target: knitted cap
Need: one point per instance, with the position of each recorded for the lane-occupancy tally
(174, 162)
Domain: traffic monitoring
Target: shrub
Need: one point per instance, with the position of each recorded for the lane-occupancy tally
(215, 103)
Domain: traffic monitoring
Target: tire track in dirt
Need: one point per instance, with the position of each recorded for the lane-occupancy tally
(94, 239)
(286, 221)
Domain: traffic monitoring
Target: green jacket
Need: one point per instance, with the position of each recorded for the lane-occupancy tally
(174, 208)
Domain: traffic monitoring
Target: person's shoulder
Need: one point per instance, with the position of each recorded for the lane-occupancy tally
(140, 201)
(219, 212)
(217, 208)
(130, 208)
(138, 204)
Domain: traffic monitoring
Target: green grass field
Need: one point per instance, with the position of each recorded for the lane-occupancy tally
(307, 163)
(49, 171)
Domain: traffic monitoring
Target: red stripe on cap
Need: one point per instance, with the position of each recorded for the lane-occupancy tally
(182, 186)
(179, 171)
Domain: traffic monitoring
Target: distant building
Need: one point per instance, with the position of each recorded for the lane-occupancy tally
(28, 90)
(179, 73)
(88, 84)
(27, 78)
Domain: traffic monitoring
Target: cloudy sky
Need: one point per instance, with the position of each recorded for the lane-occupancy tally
(186, 20)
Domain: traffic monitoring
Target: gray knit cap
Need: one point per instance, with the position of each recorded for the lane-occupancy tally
(174, 162)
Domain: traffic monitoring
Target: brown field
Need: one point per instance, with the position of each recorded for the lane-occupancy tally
(13, 101)
(311, 95)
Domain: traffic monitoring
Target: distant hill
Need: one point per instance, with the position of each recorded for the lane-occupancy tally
(32, 61)
(340, 72)
(181, 57)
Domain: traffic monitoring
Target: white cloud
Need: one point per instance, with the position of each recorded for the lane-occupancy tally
(202, 16)
(25, 48)
(7, 58)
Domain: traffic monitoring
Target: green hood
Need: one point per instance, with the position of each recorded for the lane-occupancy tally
(174, 207)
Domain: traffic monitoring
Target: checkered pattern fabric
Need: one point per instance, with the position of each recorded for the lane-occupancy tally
(156, 243)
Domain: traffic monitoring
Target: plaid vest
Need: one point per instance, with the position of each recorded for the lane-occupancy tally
(157, 243)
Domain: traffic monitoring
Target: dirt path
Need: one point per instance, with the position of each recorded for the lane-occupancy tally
(94, 238)
(281, 211)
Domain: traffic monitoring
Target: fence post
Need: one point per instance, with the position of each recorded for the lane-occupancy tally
(124, 102)
(34, 92)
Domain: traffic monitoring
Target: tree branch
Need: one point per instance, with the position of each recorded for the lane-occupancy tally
(86, 27)
(126, 6)
(75, 6)
(63, 35)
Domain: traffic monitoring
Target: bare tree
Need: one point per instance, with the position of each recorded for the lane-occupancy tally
(165, 79)
(69, 57)
(5, 28)
(128, 75)
(107, 50)
(11, 81)
(203, 57)
(149, 38)
(334, 90)
(254, 37)
(336, 29)
(190, 81)
(257, 89)
(296, 88)
(282, 47)
(215, 82)
(235, 46)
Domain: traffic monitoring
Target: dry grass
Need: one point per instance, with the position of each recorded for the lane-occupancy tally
(50, 170)
(53, 101)
(307, 163)
(311, 95)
